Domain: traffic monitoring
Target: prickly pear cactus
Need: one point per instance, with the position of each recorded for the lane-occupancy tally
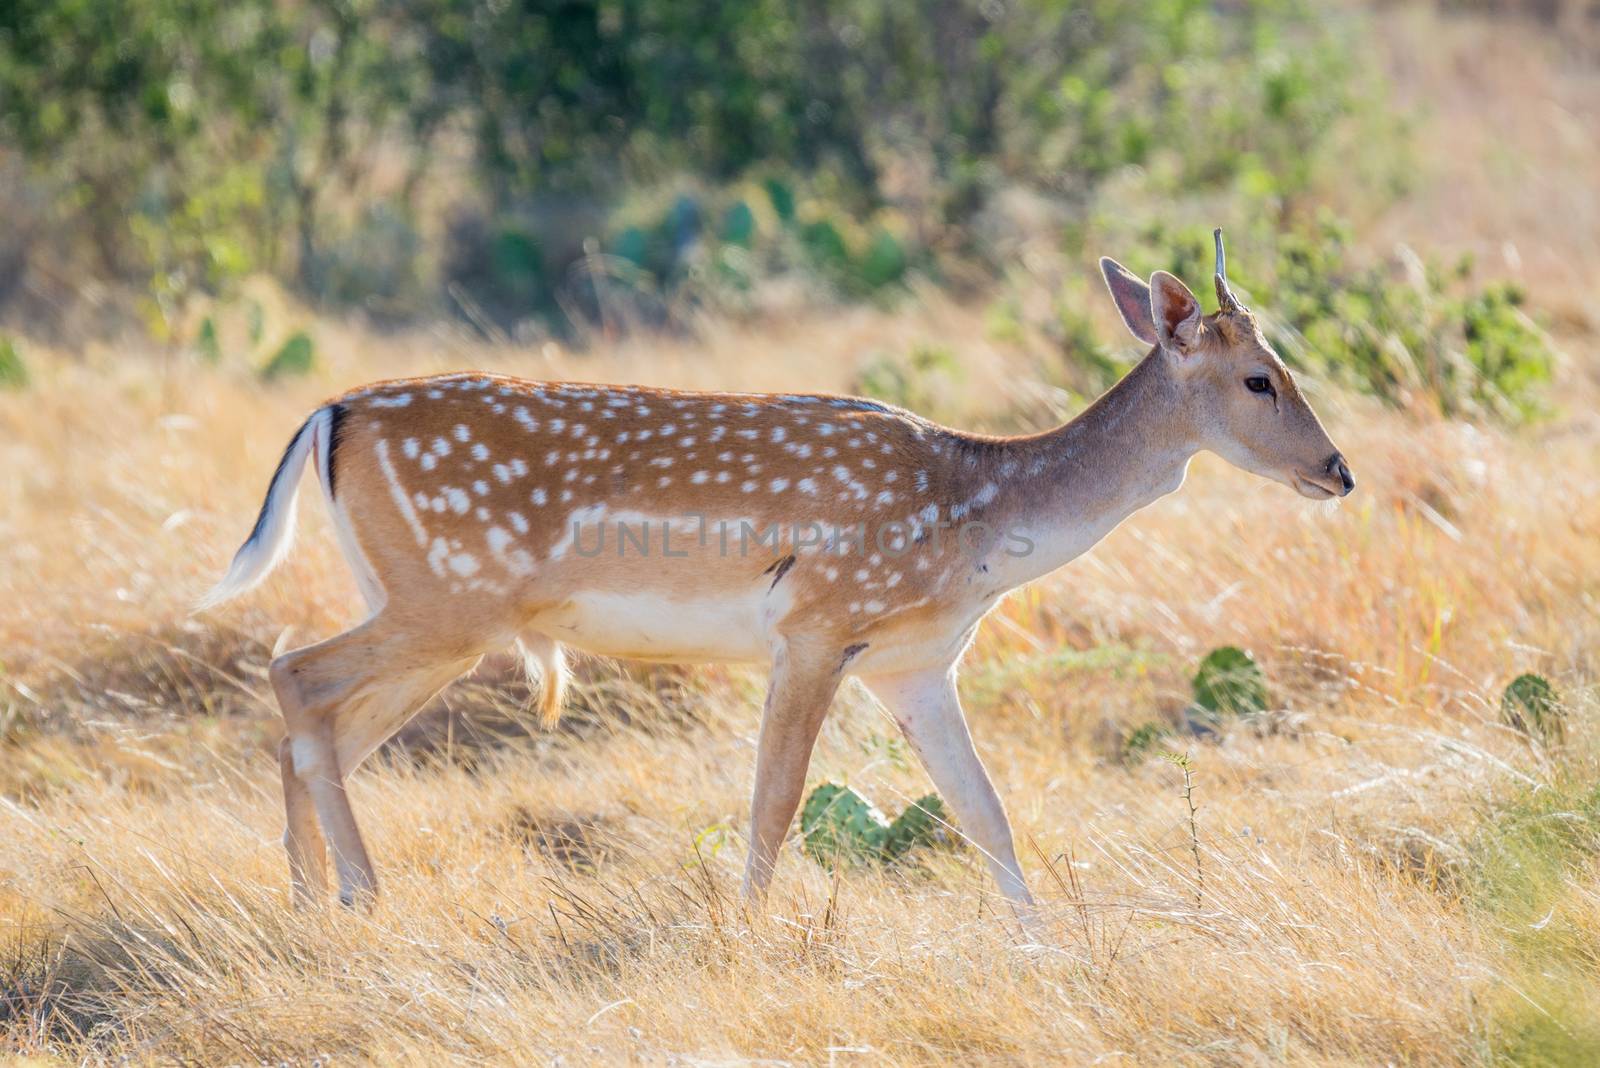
(841, 826)
(1230, 683)
(924, 822)
(1530, 705)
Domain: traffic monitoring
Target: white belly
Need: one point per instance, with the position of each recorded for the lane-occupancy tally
(649, 626)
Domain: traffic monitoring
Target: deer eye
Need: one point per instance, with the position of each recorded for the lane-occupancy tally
(1259, 384)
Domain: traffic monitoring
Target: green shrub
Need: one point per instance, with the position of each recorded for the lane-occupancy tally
(739, 224)
(207, 343)
(1402, 328)
(293, 359)
(13, 372)
(194, 166)
(910, 382)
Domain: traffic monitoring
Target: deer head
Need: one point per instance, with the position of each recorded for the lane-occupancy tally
(1243, 401)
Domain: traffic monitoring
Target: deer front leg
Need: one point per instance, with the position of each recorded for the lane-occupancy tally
(801, 688)
(928, 710)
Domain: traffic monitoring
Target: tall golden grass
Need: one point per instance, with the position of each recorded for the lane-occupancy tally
(571, 896)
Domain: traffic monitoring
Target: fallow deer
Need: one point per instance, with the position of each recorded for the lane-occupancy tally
(825, 536)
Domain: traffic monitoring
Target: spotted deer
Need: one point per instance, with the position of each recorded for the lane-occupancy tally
(824, 536)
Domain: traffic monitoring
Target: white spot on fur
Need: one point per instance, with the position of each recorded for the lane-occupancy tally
(398, 493)
(437, 552)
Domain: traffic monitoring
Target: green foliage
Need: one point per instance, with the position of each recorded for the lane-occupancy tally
(1530, 705)
(1402, 329)
(839, 826)
(256, 317)
(194, 141)
(206, 341)
(1228, 683)
(1089, 366)
(293, 359)
(13, 372)
(1406, 328)
(1142, 741)
(911, 382)
(1528, 861)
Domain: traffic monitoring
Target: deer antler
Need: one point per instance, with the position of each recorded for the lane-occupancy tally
(1225, 299)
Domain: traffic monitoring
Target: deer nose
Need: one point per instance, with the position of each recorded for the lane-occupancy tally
(1341, 470)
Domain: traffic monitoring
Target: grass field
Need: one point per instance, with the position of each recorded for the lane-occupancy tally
(1387, 873)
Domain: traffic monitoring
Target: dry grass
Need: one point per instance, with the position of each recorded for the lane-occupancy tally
(1378, 853)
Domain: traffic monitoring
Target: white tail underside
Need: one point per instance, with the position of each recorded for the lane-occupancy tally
(273, 535)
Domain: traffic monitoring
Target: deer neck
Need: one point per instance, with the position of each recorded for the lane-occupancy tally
(1065, 489)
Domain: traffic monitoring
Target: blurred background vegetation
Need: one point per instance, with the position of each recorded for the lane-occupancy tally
(561, 169)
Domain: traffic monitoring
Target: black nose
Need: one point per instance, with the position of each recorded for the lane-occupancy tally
(1338, 468)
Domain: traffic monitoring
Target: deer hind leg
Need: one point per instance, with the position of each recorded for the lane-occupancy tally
(802, 686)
(302, 839)
(340, 699)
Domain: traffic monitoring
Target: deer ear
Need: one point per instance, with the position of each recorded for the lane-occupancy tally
(1176, 313)
(1132, 298)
